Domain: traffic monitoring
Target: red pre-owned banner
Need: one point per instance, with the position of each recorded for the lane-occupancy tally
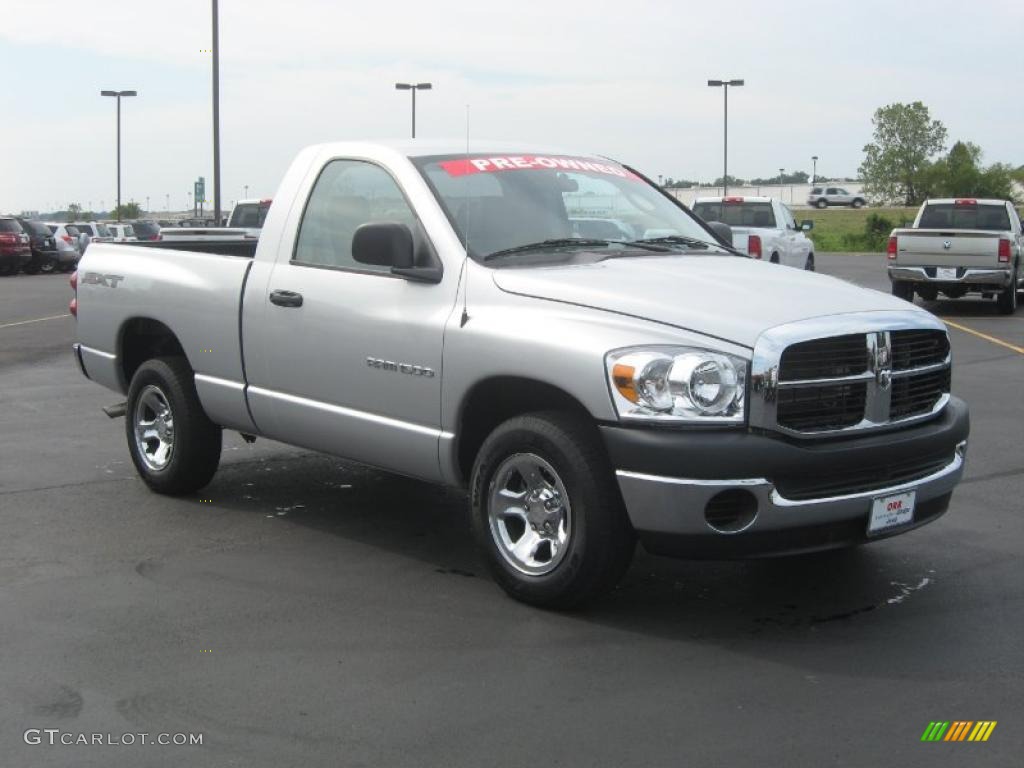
(531, 162)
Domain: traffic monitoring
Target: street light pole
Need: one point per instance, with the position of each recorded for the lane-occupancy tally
(724, 85)
(814, 173)
(118, 95)
(413, 87)
(216, 115)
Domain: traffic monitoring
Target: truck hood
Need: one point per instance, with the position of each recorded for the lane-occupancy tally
(730, 298)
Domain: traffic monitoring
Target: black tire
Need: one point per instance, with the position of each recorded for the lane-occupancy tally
(31, 268)
(774, 258)
(857, 203)
(821, 204)
(6, 270)
(901, 289)
(195, 442)
(809, 263)
(600, 543)
(1006, 302)
(48, 265)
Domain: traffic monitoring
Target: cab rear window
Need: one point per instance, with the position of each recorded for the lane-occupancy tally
(952, 216)
(737, 214)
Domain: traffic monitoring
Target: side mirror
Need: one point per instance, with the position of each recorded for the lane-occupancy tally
(724, 231)
(385, 244)
(806, 225)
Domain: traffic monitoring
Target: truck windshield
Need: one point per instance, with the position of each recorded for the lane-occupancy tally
(954, 216)
(499, 203)
(739, 214)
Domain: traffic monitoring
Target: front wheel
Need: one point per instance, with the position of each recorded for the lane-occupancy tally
(173, 444)
(901, 289)
(1006, 303)
(821, 204)
(547, 513)
(809, 263)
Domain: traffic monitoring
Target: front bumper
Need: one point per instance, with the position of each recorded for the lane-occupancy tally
(667, 479)
(964, 276)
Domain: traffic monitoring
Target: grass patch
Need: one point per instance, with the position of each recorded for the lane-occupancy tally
(848, 229)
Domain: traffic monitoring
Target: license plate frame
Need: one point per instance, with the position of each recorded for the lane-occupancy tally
(945, 273)
(890, 512)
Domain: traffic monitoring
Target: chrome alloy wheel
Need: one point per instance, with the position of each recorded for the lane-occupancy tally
(154, 428)
(529, 514)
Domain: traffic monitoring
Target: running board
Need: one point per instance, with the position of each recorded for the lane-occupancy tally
(116, 411)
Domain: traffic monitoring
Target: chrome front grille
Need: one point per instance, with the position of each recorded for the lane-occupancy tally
(814, 378)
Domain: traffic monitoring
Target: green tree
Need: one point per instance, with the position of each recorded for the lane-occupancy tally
(896, 164)
(127, 211)
(961, 174)
(733, 182)
(74, 212)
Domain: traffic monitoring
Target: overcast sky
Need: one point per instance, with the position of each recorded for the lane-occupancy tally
(621, 79)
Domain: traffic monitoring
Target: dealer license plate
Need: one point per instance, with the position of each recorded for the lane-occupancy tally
(891, 511)
(945, 273)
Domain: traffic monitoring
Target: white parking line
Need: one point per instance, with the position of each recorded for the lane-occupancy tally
(37, 320)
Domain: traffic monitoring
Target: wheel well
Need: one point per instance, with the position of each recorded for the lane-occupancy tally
(143, 339)
(498, 399)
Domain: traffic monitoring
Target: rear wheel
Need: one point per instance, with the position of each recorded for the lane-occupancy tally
(1006, 302)
(821, 204)
(775, 258)
(174, 446)
(547, 513)
(901, 289)
(858, 203)
(6, 270)
(48, 265)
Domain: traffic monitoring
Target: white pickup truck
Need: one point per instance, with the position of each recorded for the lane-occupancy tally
(762, 228)
(244, 223)
(959, 246)
(434, 313)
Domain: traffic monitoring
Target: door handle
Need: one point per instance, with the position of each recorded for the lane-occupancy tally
(286, 298)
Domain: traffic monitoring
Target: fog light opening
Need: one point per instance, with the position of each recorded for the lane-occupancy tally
(731, 511)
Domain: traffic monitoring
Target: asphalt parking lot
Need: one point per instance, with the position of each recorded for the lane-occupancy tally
(306, 611)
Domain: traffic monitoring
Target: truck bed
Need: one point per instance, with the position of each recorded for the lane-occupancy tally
(243, 248)
(199, 295)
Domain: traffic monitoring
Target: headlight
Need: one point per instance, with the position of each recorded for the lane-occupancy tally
(678, 384)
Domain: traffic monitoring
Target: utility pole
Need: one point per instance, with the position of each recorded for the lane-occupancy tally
(216, 115)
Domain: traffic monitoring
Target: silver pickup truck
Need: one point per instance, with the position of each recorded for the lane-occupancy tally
(959, 246)
(430, 311)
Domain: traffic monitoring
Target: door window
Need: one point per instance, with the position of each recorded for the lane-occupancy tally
(348, 193)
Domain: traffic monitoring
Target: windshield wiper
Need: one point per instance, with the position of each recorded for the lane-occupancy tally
(543, 245)
(690, 242)
(568, 242)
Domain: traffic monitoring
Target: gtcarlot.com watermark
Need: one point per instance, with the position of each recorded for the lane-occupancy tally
(57, 737)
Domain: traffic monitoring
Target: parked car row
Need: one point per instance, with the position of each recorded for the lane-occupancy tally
(34, 247)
